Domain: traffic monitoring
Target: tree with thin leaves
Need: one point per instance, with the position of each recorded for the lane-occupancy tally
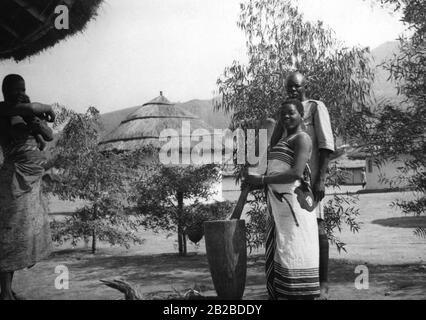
(279, 41)
(98, 178)
(170, 198)
(399, 130)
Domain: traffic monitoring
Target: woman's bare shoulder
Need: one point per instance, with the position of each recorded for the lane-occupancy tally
(303, 139)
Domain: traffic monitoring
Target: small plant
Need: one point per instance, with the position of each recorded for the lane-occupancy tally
(160, 198)
(206, 212)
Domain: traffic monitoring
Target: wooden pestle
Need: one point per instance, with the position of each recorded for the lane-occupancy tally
(268, 124)
(238, 210)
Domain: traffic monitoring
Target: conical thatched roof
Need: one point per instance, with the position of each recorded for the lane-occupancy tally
(28, 26)
(144, 126)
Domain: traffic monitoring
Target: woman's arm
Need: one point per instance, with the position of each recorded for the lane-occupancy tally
(27, 110)
(21, 109)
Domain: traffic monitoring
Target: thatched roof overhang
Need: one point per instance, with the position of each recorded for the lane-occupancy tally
(28, 26)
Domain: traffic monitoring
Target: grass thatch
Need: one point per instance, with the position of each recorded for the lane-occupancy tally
(27, 26)
(203, 109)
(144, 126)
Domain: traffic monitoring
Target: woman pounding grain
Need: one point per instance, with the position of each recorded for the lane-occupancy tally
(24, 227)
(292, 251)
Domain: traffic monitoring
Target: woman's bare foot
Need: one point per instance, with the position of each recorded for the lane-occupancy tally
(17, 296)
(7, 296)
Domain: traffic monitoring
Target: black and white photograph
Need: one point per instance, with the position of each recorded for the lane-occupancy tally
(224, 152)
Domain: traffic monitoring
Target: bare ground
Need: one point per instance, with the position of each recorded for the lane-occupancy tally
(161, 276)
(395, 258)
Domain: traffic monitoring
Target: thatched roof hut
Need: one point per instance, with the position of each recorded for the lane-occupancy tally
(144, 126)
(28, 26)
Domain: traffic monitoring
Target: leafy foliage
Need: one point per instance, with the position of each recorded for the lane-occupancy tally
(256, 226)
(340, 209)
(420, 232)
(397, 131)
(99, 178)
(161, 194)
(201, 213)
(280, 41)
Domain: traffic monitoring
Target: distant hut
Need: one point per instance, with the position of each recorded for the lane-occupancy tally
(383, 175)
(144, 126)
(352, 170)
(28, 26)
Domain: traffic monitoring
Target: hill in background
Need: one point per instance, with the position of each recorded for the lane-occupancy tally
(384, 88)
(205, 110)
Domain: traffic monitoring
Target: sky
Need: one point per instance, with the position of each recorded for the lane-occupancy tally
(137, 48)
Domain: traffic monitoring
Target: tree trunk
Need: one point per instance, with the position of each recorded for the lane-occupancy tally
(181, 242)
(94, 230)
(184, 244)
(181, 234)
(93, 241)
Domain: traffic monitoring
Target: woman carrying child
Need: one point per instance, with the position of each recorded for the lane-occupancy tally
(24, 227)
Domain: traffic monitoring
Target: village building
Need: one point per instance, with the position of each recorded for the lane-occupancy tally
(145, 126)
(380, 175)
(383, 175)
(352, 170)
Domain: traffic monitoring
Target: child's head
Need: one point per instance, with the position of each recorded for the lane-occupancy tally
(13, 88)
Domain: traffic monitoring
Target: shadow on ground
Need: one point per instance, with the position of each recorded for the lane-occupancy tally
(402, 222)
(169, 274)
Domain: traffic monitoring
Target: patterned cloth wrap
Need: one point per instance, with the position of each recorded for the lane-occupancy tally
(292, 250)
(24, 226)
